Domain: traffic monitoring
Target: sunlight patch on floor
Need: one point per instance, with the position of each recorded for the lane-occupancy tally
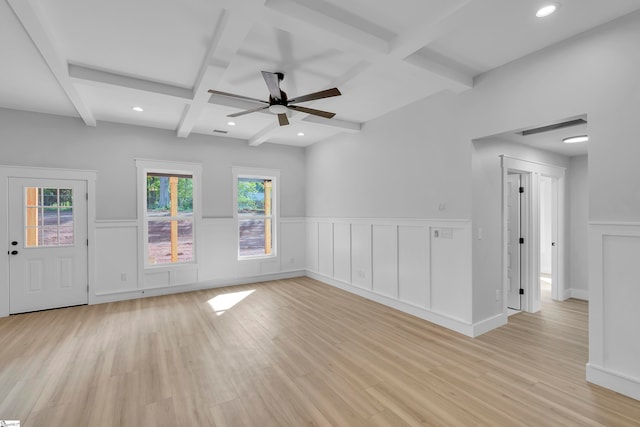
(223, 302)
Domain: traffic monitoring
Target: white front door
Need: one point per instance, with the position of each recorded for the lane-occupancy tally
(513, 241)
(47, 244)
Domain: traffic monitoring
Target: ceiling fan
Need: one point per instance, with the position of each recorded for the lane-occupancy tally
(278, 102)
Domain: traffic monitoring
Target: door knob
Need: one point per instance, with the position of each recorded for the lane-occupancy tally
(14, 243)
(14, 252)
(553, 243)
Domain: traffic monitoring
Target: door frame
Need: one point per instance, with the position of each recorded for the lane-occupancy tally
(25, 172)
(532, 171)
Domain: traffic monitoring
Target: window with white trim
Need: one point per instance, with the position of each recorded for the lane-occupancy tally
(169, 212)
(255, 212)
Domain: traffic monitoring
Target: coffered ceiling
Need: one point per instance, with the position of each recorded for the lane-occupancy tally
(95, 60)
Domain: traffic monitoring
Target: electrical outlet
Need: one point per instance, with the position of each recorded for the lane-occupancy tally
(446, 233)
(498, 295)
(123, 277)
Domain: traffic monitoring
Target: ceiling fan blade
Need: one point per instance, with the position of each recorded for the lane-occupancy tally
(316, 95)
(325, 114)
(273, 83)
(282, 118)
(253, 110)
(231, 95)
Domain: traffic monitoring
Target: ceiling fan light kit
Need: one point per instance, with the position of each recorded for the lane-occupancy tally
(278, 102)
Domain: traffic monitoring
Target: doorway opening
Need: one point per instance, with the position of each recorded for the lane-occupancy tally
(533, 218)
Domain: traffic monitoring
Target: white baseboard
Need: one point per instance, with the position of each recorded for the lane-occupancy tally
(489, 324)
(209, 284)
(582, 294)
(456, 325)
(614, 381)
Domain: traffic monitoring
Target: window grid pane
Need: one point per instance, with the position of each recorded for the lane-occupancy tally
(254, 210)
(48, 217)
(169, 218)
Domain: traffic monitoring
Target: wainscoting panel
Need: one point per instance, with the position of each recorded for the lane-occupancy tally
(450, 278)
(292, 244)
(385, 260)
(116, 246)
(413, 271)
(311, 244)
(119, 277)
(217, 249)
(325, 248)
(342, 251)
(614, 299)
(422, 267)
(361, 255)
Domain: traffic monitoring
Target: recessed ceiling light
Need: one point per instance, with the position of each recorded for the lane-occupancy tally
(138, 109)
(574, 139)
(300, 133)
(231, 123)
(546, 10)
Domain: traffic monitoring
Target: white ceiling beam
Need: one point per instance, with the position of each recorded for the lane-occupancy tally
(44, 41)
(231, 30)
(351, 127)
(312, 18)
(322, 26)
(93, 77)
(264, 134)
(453, 75)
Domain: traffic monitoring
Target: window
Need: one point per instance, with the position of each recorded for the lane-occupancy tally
(48, 217)
(170, 206)
(255, 201)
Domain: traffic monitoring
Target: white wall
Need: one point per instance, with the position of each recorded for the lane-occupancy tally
(427, 147)
(40, 140)
(31, 139)
(578, 227)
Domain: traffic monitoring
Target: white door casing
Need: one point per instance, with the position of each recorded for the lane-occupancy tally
(531, 172)
(52, 270)
(513, 244)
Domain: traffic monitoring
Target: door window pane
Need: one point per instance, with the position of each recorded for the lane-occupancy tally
(48, 217)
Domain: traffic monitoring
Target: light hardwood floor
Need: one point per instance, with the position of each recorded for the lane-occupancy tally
(295, 352)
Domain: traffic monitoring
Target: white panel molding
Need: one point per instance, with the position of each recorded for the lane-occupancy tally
(119, 272)
(598, 371)
(401, 264)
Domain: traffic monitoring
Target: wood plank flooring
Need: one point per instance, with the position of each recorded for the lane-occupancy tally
(292, 353)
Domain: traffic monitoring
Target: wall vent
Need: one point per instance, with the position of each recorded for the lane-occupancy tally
(220, 131)
(548, 128)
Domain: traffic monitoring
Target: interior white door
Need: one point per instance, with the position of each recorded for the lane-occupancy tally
(513, 241)
(48, 244)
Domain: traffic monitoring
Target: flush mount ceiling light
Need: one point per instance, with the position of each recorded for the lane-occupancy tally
(231, 123)
(278, 109)
(138, 109)
(300, 133)
(574, 139)
(546, 10)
